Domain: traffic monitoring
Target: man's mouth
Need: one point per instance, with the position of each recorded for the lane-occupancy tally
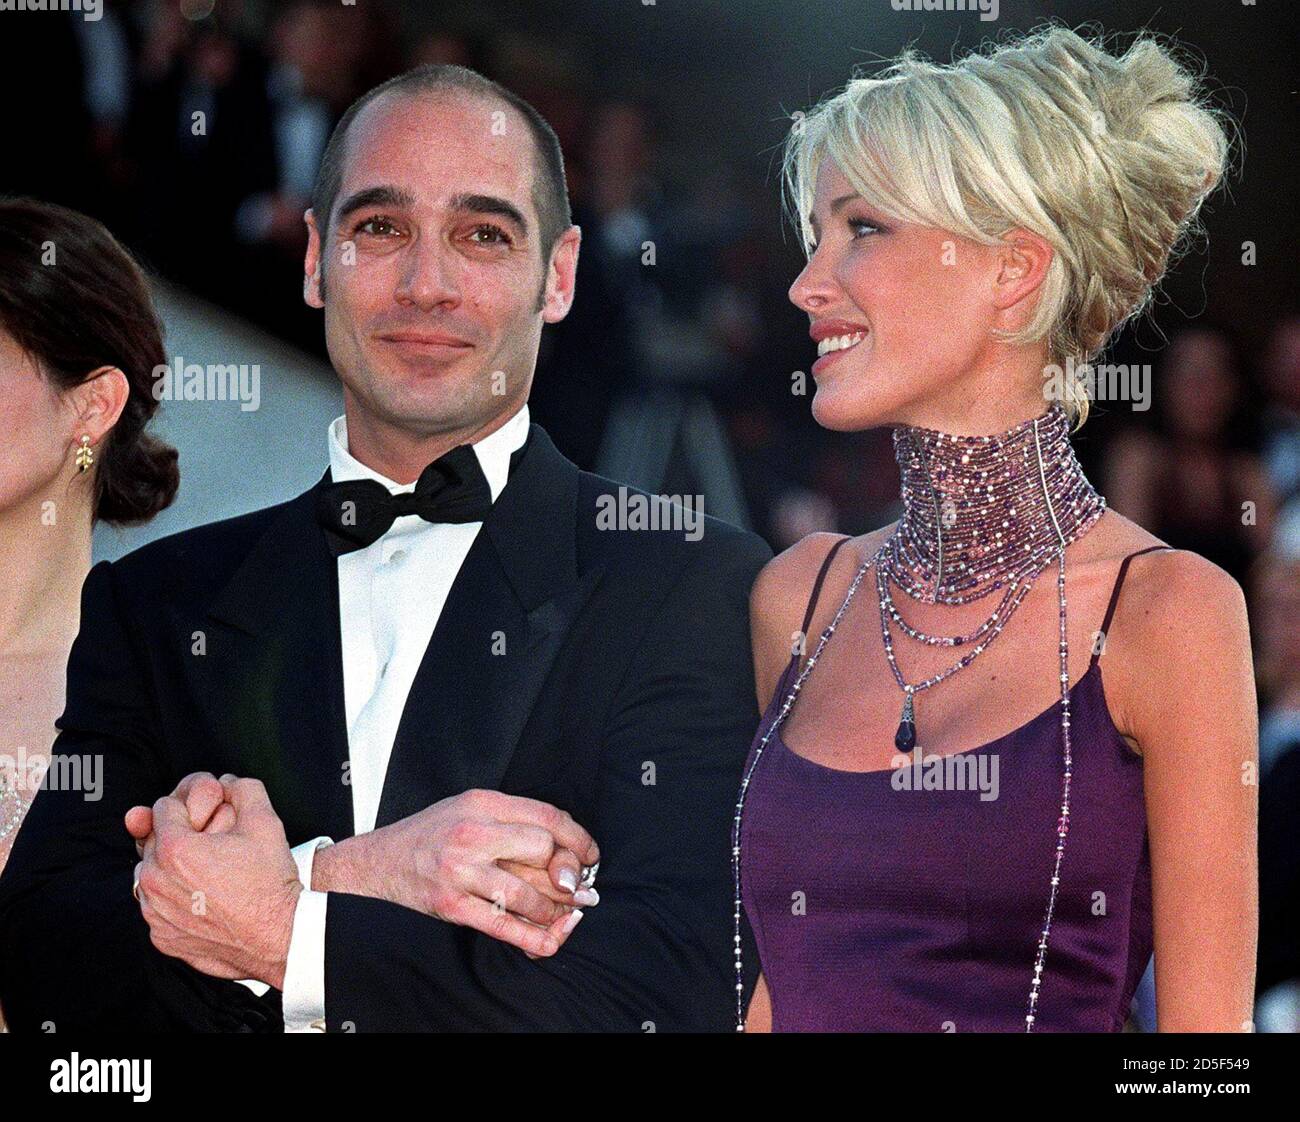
(431, 340)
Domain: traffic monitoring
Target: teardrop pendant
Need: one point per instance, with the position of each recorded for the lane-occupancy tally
(905, 737)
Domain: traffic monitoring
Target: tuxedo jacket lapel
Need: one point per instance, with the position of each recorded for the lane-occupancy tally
(503, 623)
(276, 669)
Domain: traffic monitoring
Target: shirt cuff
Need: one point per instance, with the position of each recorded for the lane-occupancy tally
(259, 988)
(304, 856)
(304, 969)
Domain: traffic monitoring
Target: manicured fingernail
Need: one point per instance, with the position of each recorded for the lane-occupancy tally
(568, 880)
(586, 897)
(574, 917)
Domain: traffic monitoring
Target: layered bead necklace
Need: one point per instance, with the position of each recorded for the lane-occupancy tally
(982, 515)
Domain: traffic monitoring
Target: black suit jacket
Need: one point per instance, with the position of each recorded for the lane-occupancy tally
(624, 695)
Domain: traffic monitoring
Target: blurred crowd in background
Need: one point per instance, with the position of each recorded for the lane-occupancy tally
(1213, 465)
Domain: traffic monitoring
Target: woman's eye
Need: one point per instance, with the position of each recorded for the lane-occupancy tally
(858, 228)
(488, 234)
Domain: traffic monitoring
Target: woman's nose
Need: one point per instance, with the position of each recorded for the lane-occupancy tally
(814, 287)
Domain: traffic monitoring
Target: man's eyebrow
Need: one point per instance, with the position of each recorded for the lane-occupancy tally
(490, 204)
(384, 196)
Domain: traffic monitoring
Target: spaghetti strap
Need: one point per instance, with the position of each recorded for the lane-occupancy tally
(1114, 598)
(797, 648)
(817, 586)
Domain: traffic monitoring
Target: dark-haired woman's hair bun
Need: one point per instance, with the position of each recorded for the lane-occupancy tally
(75, 300)
(141, 479)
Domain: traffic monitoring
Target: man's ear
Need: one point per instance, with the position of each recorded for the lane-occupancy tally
(97, 403)
(1021, 263)
(312, 262)
(561, 276)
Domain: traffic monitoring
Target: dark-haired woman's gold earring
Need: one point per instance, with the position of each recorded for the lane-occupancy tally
(85, 455)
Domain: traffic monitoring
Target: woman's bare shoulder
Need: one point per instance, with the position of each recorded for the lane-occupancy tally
(1169, 577)
(1185, 595)
(1179, 619)
(780, 594)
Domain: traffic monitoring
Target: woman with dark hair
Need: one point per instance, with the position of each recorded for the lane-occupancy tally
(79, 340)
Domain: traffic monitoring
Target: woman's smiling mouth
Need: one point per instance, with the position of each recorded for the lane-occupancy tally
(834, 338)
(840, 343)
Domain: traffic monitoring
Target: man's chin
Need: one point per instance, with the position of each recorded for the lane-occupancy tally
(419, 365)
(432, 407)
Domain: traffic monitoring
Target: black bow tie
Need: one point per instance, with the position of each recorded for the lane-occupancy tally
(360, 511)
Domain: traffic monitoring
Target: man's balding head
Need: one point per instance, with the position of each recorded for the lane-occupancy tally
(550, 193)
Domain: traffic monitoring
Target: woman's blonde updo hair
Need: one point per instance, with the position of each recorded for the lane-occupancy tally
(1106, 157)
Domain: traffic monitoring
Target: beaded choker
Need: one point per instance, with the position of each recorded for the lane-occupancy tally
(981, 515)
(980, 512)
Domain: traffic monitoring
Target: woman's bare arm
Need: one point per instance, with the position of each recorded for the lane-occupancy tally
(1183, 686)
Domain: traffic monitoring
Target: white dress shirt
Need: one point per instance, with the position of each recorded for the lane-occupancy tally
(391, 594)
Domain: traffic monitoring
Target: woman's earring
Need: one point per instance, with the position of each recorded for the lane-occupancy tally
(85, 455)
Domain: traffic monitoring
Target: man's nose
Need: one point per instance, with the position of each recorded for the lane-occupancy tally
(428, 277)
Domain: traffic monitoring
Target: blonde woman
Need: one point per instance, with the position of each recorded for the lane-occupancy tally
(989, 785)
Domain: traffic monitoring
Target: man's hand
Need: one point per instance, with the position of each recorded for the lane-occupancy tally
(509, 867)
(219, 895)
(503, 865)
(204, 797)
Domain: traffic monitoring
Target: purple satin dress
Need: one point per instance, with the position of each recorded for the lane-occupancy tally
(879, 908)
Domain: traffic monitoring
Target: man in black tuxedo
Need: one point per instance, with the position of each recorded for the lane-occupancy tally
(452, 674)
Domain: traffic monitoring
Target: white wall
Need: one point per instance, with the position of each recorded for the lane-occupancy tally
(232, 460)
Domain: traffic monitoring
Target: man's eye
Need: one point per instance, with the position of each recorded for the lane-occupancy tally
(487, 234)
(377, 226)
